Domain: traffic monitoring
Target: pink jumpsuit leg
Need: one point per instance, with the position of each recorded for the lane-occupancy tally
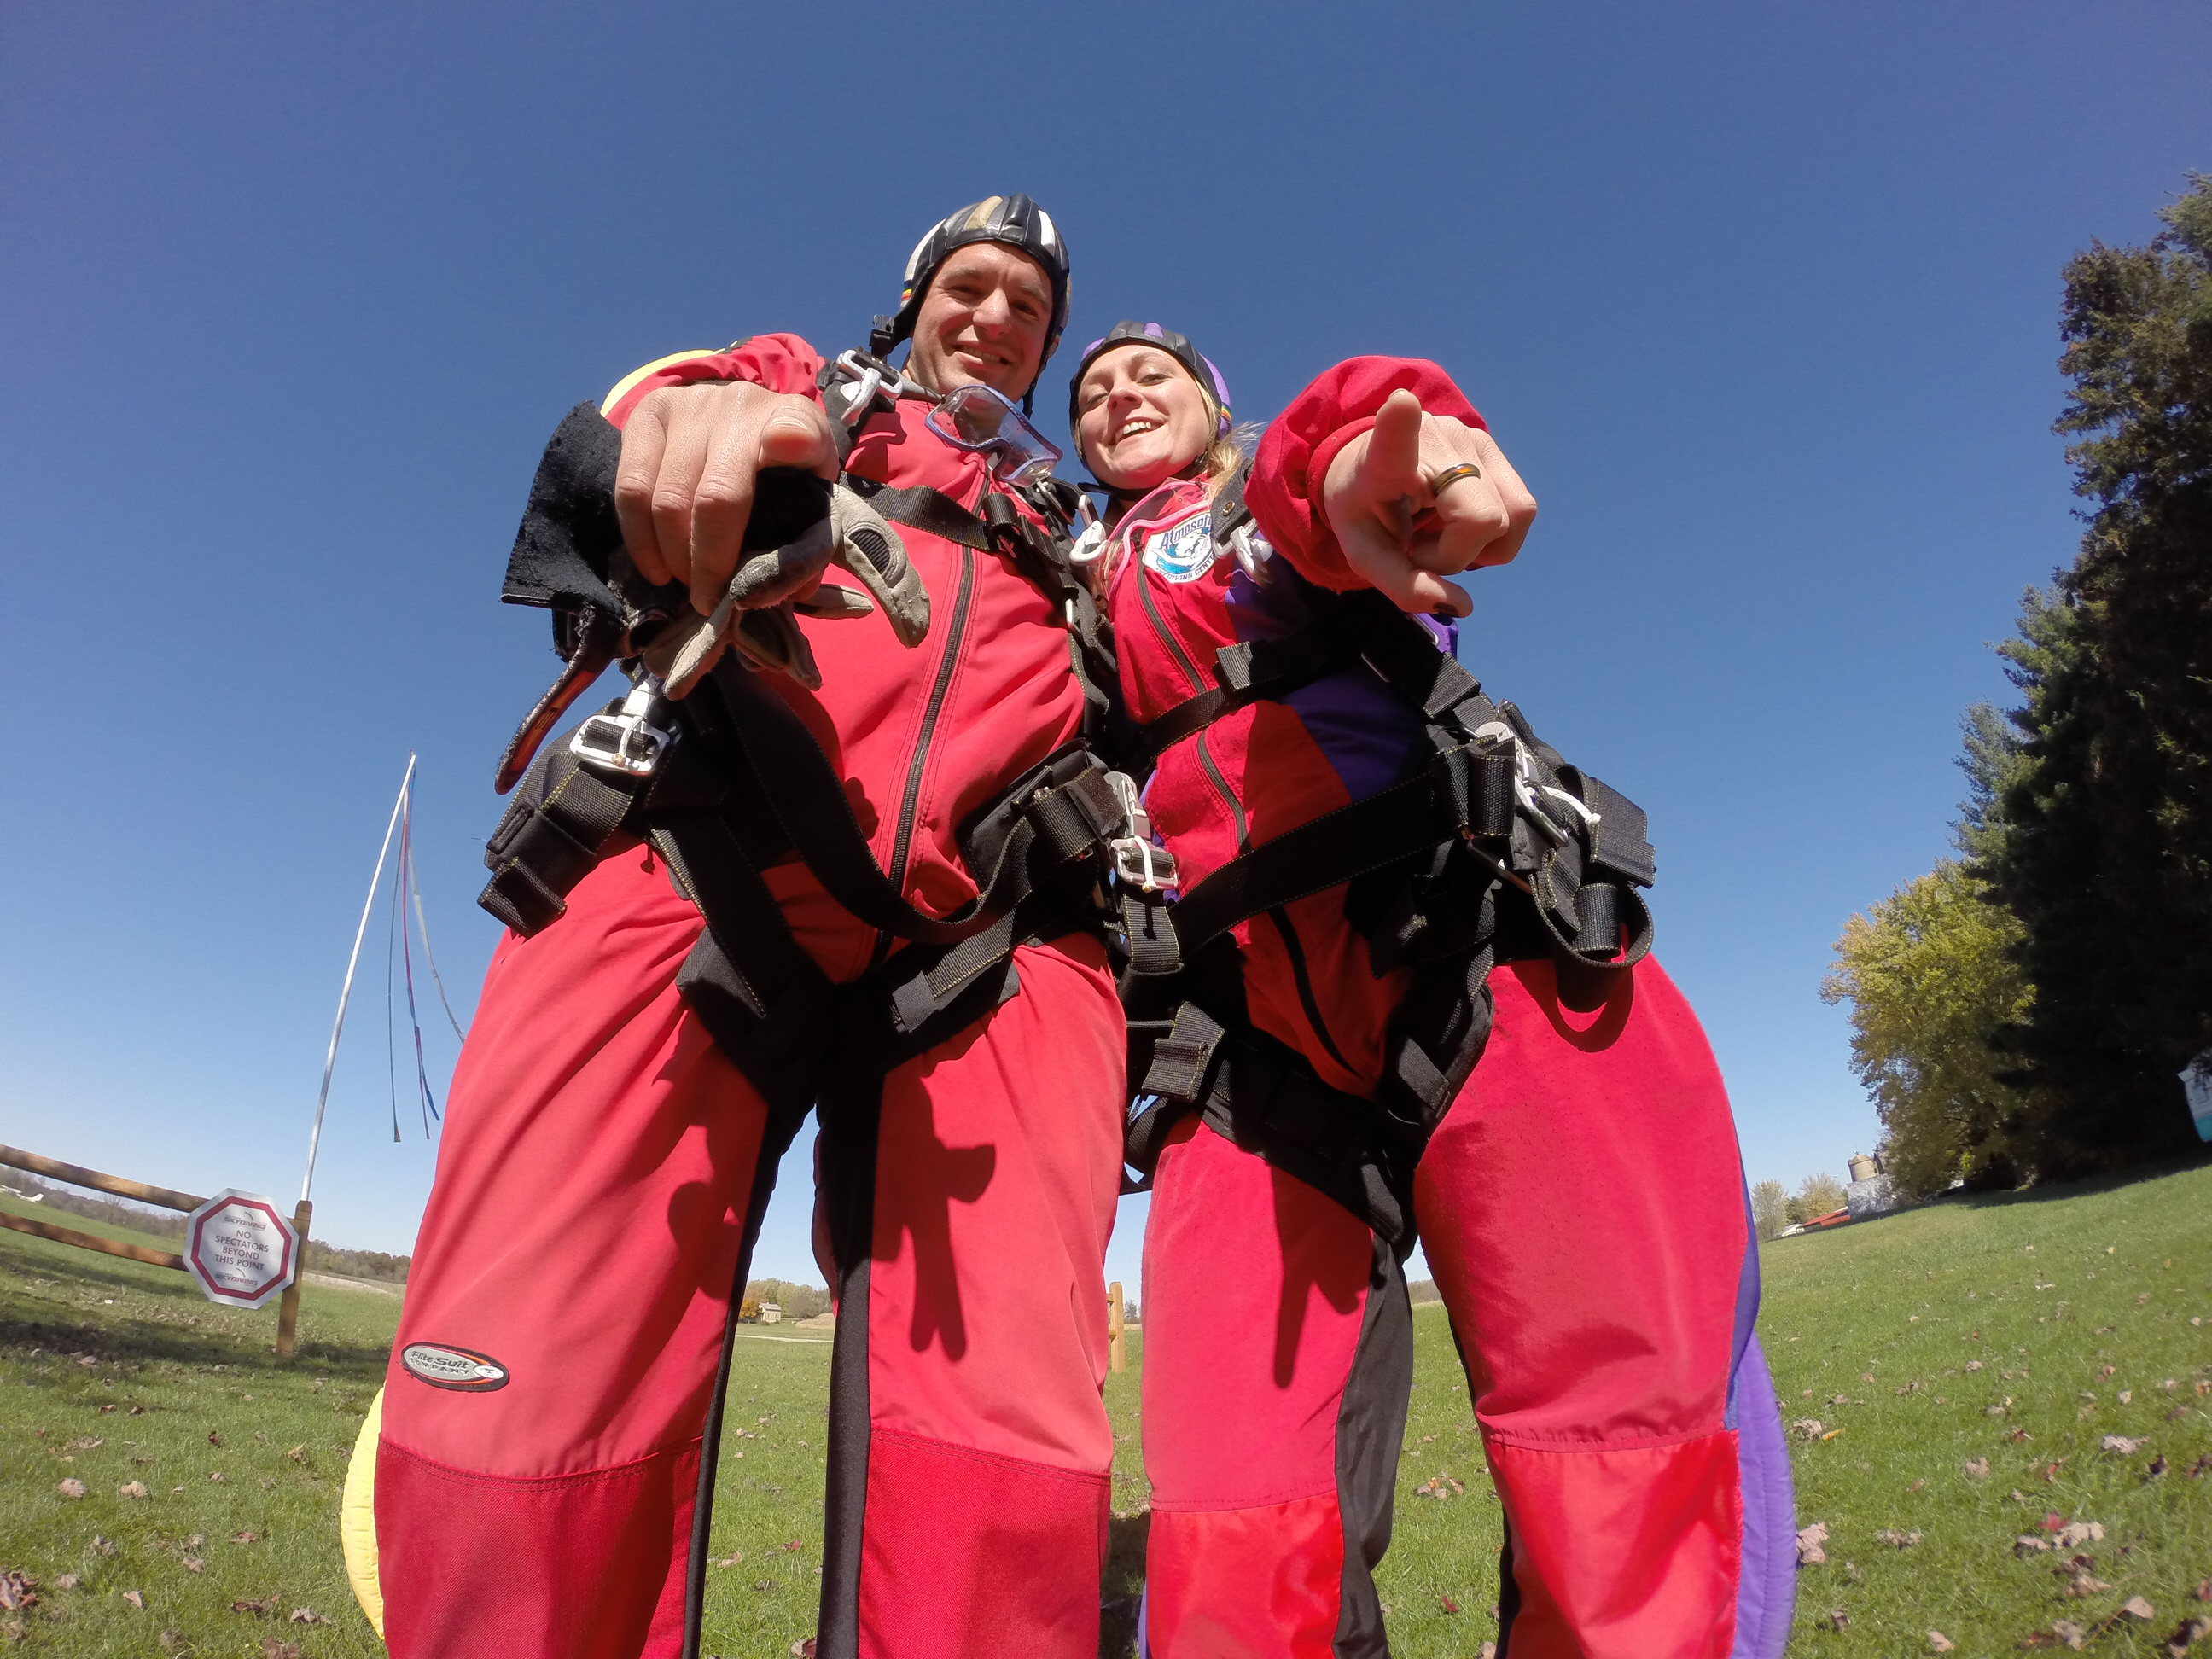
(581, 1234)
(1583, 1206)
(1278, 1356)
(971, 1464)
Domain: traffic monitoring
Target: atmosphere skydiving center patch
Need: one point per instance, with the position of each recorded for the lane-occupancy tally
(1183, 552)
(462, 1370)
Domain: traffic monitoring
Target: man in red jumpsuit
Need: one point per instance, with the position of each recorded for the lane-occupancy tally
(603, 1171)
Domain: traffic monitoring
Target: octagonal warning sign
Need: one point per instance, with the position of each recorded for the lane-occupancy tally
(241, 1249)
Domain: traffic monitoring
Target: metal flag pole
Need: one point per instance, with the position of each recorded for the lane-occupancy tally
(288, 1310)
(345, 994)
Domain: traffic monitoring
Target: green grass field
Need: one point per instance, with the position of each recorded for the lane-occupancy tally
(2076, 1306)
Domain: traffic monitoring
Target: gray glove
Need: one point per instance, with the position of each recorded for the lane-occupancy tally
(755, 615)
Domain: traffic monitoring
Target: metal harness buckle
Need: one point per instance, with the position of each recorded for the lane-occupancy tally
(626, 743)
(1525, 789)
(1137, 862)
(874, 376)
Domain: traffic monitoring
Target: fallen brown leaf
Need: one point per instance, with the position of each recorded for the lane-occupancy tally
(308, 1616)
(17, 1592)
(135, 1600)
(1940, 1642)
(1977, 1469)
(1809, 1539)
(2187, 1635)
(245, 1538)
(72, 1487)
(132, 1489)
(1450, 1606)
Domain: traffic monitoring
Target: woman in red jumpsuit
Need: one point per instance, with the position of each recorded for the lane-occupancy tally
(1603, 1309)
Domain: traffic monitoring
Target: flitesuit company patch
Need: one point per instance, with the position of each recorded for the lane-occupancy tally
(462, 1370)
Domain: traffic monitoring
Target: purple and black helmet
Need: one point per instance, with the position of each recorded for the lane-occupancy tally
(1165, 339)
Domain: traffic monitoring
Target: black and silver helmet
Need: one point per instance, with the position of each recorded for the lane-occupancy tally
(1016, 220)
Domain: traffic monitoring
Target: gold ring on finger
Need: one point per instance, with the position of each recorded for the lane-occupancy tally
(1450, 476)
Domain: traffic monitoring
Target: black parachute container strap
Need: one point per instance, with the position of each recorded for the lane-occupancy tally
(728, 782)
(1489, 848)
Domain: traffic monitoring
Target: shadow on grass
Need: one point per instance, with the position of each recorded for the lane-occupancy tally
(143, 1342)
(2156, 1169)
(2113, 1181)
(1123, 1589)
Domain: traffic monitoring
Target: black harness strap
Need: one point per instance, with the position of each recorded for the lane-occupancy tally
(930, 511)
(1261, 1095)
(1461, 793)
(1068, 817)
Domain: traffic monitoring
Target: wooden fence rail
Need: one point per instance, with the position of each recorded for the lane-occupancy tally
(168, 1198)
(78, 1176)
(23, 1224)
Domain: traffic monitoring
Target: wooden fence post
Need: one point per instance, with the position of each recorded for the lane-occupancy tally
(288, 1310)
(1117, 1345)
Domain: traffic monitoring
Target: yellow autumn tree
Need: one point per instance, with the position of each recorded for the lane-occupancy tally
(1930, 978)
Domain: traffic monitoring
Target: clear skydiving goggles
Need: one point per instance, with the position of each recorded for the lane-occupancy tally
(973, 416)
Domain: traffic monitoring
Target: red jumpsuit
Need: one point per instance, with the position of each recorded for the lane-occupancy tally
(598, 1173)
(1582, 1205)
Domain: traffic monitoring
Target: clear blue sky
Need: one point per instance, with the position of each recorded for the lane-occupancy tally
(1761, 300)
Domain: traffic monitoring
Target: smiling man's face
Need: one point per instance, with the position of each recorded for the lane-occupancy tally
(984, 320)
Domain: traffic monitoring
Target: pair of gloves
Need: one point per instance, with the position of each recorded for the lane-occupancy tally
(757, 617)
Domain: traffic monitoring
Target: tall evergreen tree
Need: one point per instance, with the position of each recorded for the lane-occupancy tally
(2102, 839)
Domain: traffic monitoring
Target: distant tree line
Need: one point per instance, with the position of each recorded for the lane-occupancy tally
(1774, 1206)
(2021, 1013)
(797, 1301)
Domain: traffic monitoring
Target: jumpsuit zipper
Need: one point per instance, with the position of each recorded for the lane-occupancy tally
(902, 843)
(1292, 946)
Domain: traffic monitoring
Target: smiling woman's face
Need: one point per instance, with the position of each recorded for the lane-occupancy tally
(1140, 418)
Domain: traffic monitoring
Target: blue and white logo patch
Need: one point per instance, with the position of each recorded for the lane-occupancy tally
(1183, 552)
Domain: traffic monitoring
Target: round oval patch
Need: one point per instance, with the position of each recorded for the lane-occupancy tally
(460, 1369)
